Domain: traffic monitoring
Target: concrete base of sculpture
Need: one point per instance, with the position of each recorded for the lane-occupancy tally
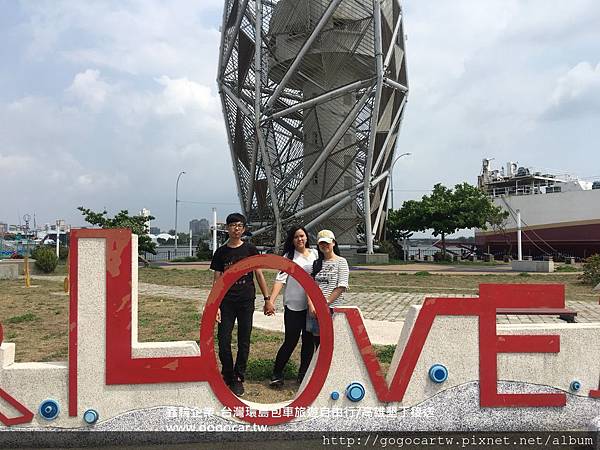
(453, 410)
(20, 264)
(533, 266)
(375, 258)
(8, 271)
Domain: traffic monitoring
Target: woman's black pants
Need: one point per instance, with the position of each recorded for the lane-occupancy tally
(295, 324)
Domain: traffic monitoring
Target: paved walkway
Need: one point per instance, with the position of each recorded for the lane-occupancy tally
(454, 269)
(386, 306)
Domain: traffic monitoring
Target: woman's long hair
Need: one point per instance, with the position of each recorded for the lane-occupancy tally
(318, 263)
(288, 246)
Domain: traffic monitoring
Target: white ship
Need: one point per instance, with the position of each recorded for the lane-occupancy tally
(560, 214)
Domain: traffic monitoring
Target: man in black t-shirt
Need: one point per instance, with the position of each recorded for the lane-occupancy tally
(238, 303)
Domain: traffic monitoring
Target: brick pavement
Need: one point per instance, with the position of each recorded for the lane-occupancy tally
(388, 306)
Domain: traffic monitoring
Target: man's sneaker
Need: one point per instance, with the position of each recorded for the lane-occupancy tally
(276, 381)
(237, 387)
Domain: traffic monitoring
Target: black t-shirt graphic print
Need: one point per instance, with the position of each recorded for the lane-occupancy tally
(243, 289)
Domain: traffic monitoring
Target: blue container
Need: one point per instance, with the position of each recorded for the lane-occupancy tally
(575, 385)
(49, 409)
(335, 395)
(355, 392)
(438, 373)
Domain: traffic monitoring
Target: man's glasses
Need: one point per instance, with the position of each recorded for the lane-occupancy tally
(236, 225)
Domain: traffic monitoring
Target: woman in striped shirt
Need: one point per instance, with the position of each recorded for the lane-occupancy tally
(331, 273)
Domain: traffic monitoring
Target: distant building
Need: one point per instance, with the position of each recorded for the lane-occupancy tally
(199, 227)
(155, 231)
(3, 227)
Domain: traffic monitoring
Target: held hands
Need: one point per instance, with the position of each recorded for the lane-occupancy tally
(311, 309)
(269, 308)
(219, 315)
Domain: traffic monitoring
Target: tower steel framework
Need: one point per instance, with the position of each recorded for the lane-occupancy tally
(313, 93)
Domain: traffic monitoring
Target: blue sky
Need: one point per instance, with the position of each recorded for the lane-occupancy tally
(102, 103)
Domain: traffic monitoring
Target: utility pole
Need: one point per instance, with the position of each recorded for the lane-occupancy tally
(214, 246)
(519, 244)
(176, 204)
(57, 238)
(392, 177)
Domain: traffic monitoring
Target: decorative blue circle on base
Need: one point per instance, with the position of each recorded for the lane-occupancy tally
(438, 373)
(49, 409)
(335, 395)
(575, 385)
(355, 392)
(90, 416)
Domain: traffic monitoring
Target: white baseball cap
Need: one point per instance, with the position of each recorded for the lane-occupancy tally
(326, 236)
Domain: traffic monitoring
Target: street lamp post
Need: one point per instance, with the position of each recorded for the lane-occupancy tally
(392, 177)
(176, 205)
(404, 244)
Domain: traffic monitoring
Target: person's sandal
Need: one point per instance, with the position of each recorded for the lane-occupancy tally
(276, 382)
(237, 387)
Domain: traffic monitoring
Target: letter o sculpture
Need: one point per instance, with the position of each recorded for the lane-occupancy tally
(209, 316)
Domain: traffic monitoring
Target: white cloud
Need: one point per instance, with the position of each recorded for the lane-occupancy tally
(577, 92)
(181, 95)
(139, 37)
(89, 88)
(13, 164)
(99, 182)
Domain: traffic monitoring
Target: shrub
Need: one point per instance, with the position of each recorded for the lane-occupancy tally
(385, 353)
(185, 259)
(63, 253)
(45, 259)
(440, 257)
(566, 269)
(422, 273)
(388, 247)
(203, 252)
(591, 270)
(28, 317)
(33, 253)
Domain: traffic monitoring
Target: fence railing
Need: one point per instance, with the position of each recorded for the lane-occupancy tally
(169, 254)
(420, 254)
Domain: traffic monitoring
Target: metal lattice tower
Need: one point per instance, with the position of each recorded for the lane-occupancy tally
(300, 81)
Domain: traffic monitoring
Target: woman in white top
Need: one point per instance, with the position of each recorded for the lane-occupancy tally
(297, 248)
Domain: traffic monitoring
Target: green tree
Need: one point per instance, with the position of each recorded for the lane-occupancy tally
(137, 224)
(183, 238)
(591, 270)
(396, 232)
(446, 211)
(45, 259)
(475, 208)
(203, 252)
